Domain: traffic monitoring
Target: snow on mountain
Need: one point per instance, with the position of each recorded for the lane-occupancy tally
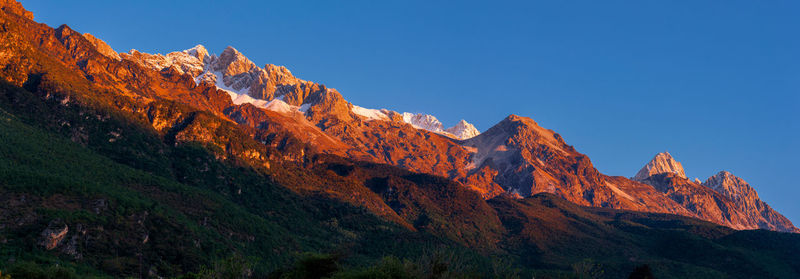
(463, 130)
(181, 60)
(423, 121)
(231, 72)
(661, 163)
(370, 114)
(267, 87)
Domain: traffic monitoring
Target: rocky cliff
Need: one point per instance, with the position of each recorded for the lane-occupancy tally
(723, 198)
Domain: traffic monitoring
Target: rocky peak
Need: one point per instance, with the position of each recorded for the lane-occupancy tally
(328, 102)
(730, 185)
(199, 52)
(232, 62)
(181, 60)
(525, 131)
(14, 7)
(463, 130)
(745, 198)
(280, 73)
(102, 46)
(661, 163)
(423, 121)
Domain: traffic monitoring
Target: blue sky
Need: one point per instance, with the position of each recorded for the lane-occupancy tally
(715, 83)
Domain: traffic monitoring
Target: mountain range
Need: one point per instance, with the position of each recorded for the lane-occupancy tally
(516, 156)
(138, 164)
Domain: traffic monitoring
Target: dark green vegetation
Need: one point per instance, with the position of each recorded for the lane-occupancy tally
(187, 212)
(172, 210)
(132, 172)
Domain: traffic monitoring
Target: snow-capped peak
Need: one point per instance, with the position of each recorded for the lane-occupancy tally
(463, 130)
(371, 114)
(266, 87)
(423, 121)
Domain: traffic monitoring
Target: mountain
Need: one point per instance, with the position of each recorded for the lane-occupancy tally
(661, 163)
(423, 121)
(169, 165)
(722, 199)
(516, 156)
(746, 199)
(463, 130)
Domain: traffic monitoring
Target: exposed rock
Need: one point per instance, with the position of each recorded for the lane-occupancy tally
(723, 199)
(14, 7)
(661, 163)
(525, 159)
(102, 47)
(746, 199)
(232, 62)
(704, 202)
(423, 121)
(71, 246)
(515, 157)
(52, 236)
(463, 130)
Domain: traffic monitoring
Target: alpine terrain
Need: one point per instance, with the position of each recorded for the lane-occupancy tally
(203, 164)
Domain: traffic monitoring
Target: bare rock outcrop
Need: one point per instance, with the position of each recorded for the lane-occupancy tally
(661, 163)
(746, 200)
(723, 198)
(102, 46)
(14, 7)
(54, 234)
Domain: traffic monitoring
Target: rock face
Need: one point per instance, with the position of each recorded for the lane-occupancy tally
(14, 7)
(520, 157)
(746, 200)
(234, 73)
(463, 130)
(101, 46)
(516, 156)
(423, 121)
(723, 199)
(661, 163)
(52, 236)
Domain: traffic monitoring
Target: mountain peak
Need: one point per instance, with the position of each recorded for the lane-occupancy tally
(234, 62)
(14, 7)
(423, 121)
(726, 183)
(516, 120)
(661, 163)
(746, 199)
(102, 46)
(199, 51)
(463, 130)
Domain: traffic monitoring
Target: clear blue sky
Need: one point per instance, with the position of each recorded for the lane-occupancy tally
(715, 83)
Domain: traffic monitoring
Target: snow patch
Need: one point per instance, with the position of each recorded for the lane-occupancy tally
(370, 114)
